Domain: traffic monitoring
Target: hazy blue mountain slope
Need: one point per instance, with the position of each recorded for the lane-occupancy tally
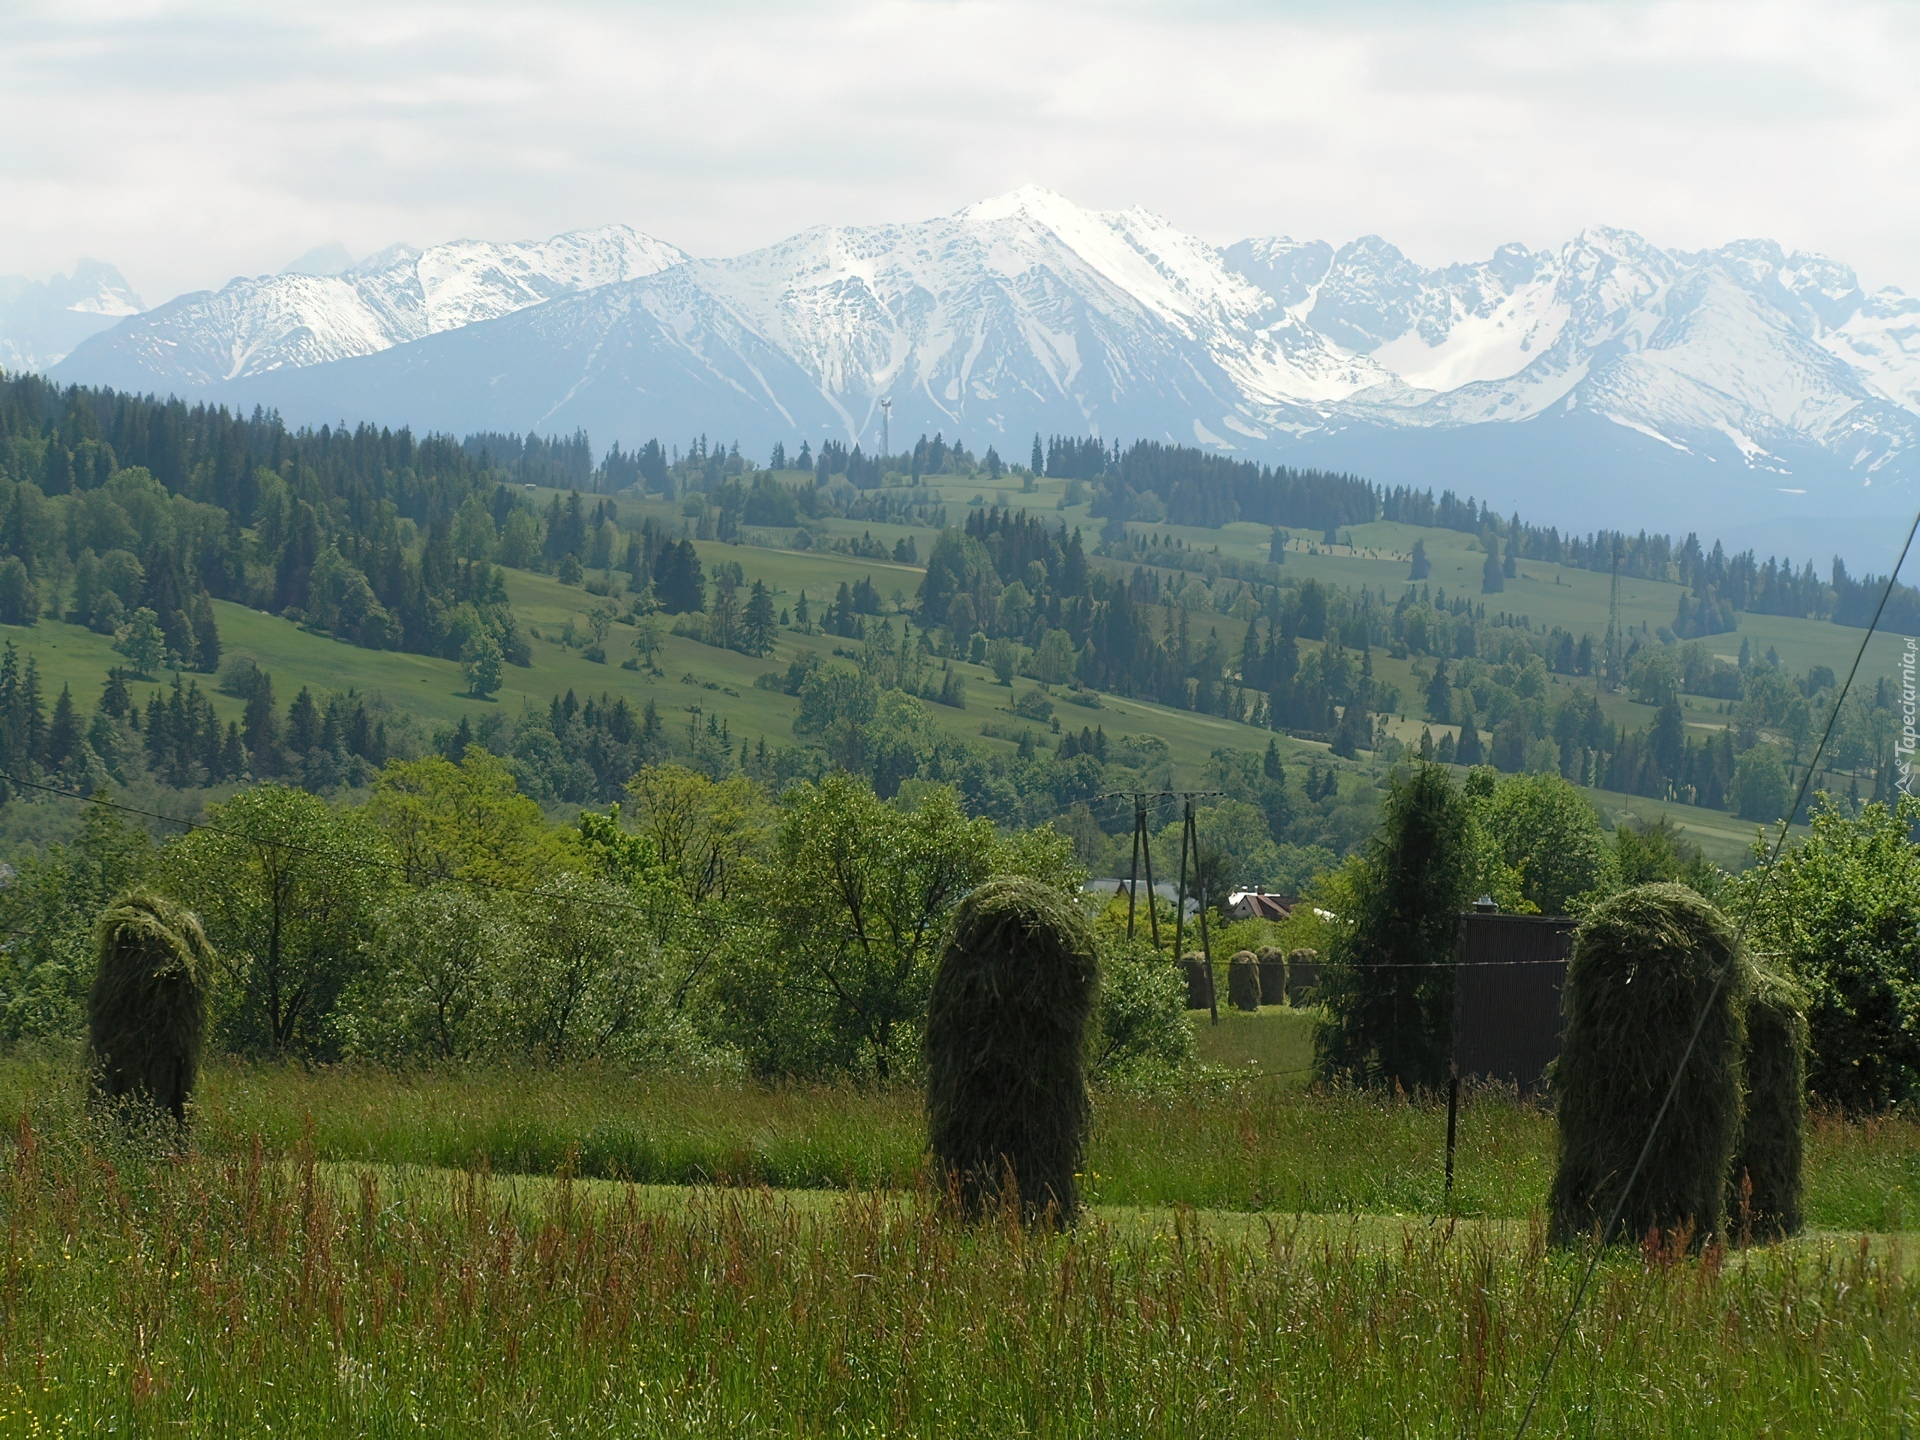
(41, 321)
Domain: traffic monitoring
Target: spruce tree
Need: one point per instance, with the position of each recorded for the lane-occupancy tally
(1388, 983)
(114, 698)
(303, 723)
(1468, 751)
(63, 735)
(757, 621)
(1353, 733)
(206, 635)
(1440, 695)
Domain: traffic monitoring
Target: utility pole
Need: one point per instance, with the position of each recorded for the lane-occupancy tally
(1142, 847)
(1190, 845)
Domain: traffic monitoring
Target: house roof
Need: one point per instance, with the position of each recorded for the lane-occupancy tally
(1259, 905)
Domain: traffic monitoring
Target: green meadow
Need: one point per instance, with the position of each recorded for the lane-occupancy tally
(488, 1253)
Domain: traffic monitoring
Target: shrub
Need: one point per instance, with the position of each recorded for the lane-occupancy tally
(1140, 1020)
(439, 957)
(1839, 911)
(1644, 964)
(858, 900)
(1760, 785)
(1006, 1027)
(1034, 705)
(19, 601)
(1273, 975)
(1765, 1189)
(1548, 832)
(1243, 981)
(147, 1014)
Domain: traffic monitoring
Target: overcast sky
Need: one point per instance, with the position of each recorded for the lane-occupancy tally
(188, 143)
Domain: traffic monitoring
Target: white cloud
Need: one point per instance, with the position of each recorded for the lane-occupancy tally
(190, 142)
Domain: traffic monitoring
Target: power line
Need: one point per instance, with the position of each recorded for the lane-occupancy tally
(1713, 995)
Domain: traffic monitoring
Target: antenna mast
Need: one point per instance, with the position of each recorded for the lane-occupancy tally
(886, 426)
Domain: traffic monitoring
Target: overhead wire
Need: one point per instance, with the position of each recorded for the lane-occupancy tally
(1713, 994)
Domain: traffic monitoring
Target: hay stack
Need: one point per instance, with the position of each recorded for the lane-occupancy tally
(1303, 977)
(1199, 980)
(1243, 980)
(1006, 1092)
(1644, 964)
(1273, 975)
(1764, 1188)
(147, 1013)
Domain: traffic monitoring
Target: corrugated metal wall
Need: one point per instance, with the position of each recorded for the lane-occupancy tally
(1506, 996)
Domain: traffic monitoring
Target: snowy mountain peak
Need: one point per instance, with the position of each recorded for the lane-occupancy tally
(41, 321)
(387, 259)
(1034, 202)
(96, 288)
(394, 297)
(331, 258)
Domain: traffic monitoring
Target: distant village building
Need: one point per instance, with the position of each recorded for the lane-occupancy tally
(1259, 905)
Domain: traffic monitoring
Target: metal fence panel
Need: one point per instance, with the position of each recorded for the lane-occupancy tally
(1506, 996)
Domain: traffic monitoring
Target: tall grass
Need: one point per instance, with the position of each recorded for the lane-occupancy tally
(255, 1293)
(1254, 1144)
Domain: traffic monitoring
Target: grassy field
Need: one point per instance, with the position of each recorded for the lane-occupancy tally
(1250, 1137)
(313, 1267)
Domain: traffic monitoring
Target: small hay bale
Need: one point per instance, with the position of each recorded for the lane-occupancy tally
(1199, 980)
(147, 1013)
(1273, 975)
(1303, 976)
(1764, 1188)
(1644, 965)
(1006, 1088)
(1243, 980)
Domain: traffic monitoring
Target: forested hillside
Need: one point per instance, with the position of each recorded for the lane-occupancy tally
(965, 619)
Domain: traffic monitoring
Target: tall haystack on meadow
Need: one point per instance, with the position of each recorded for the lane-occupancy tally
(1303, 977)
(1199, 980)
(1006, 1081)
(1645, 965)
(1273, 975)
(147, 1013)
(1764, 1191)
(1243, 980)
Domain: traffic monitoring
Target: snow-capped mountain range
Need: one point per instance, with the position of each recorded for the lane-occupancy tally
(41, 321)
(298, 320)
(1606, 382)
